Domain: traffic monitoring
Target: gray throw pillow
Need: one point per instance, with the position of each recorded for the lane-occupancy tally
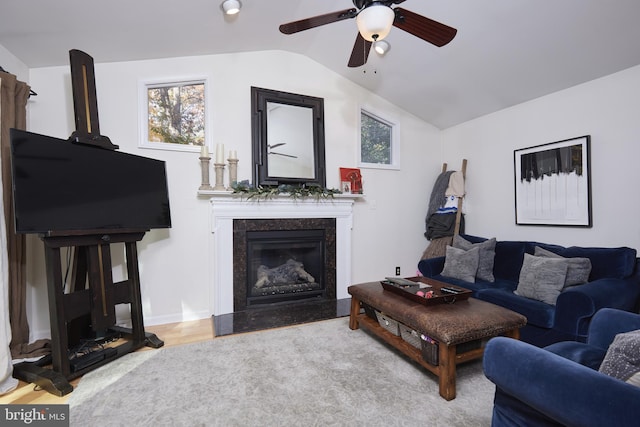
(541, 278)
(634, 379)
(460, 264)
(622, 360)
(578, 270)
(487, 255)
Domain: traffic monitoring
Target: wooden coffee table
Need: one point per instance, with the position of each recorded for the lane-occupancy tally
(449, 324)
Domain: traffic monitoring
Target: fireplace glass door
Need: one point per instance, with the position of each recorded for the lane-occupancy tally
(285, 265)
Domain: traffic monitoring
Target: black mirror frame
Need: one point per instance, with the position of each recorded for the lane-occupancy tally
(259, 99)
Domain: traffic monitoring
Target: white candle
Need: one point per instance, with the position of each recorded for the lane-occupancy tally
(233, 155)
(220, 153)
(204, 151)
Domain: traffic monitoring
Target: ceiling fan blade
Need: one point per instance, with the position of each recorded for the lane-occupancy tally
(427, 29)
(316, 21)
(360, 52)
(282, 154)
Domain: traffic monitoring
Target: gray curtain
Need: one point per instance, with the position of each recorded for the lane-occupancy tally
(13, 114)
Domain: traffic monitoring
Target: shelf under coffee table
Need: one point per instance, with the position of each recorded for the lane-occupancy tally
(449, 324)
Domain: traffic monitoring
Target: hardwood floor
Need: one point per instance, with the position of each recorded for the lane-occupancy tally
(172, 334)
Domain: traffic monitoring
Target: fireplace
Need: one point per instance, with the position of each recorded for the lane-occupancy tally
(230, 213)
(283, 260)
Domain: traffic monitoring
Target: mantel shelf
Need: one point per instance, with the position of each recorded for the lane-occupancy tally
(231, 194)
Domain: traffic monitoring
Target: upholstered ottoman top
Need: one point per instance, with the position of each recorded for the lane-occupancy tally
(455, 323)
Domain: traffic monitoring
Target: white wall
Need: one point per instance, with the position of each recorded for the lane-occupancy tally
(388, 223)
(13, 65)
(607, 109)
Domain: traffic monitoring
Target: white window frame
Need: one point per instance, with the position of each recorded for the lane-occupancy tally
(143, 113)
(395, 138)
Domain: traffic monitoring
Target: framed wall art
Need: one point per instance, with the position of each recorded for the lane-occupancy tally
(553, 183)
(350, 181)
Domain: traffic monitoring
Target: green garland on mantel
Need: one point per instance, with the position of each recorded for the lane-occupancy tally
(293, 191)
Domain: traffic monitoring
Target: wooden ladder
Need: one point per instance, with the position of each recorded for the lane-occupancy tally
(463, 169)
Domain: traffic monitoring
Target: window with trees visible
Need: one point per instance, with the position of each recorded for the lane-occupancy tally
(379, 144)
(174, 115)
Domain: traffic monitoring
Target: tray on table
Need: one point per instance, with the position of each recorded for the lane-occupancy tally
(443, 293)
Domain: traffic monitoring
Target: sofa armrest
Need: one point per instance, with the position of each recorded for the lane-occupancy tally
(607, 323)
(576, 305)
(560, 389)
(431, 267)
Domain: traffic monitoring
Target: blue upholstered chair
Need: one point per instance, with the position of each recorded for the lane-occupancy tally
(560, 384)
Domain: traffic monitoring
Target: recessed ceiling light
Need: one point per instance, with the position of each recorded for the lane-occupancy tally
(231, 7)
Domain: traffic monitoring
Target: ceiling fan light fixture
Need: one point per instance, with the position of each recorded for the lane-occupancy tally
(381, 47)
(231, 7)
(375, 22)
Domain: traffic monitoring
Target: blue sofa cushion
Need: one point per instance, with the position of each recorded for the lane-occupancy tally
(537, 313)
(606, 263)
(508, 257)
(508, 260)
(579, 352)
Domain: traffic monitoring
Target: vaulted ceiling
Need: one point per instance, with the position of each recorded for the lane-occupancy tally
(505, 52)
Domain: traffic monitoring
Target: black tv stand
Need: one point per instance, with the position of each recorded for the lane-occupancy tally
(89, 304)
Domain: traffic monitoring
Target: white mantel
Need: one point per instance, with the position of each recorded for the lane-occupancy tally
(226, 207)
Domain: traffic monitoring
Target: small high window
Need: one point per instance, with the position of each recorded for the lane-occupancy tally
(174, 115)
(379, 145)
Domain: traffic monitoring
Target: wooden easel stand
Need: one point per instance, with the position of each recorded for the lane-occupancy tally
(91, 306)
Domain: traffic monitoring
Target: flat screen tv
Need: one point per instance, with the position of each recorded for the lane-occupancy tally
(61, 186)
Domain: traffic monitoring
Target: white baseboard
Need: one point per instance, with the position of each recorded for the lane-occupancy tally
(148, 321)
(176, 318)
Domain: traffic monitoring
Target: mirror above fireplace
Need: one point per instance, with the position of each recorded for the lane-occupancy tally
(288, 138)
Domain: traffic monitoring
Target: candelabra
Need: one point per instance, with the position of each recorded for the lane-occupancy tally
(219, 167)
(233, 172)
(204, 164)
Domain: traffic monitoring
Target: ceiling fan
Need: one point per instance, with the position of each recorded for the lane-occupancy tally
(374, 20)
(279, 154)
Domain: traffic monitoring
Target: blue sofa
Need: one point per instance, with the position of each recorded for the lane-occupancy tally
(614, 282)
(552, 386)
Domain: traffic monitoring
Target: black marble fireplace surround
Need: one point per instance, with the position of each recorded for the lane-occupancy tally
(318, 306)
(309, 240)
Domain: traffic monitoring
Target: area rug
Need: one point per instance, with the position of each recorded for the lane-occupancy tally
(317, 374)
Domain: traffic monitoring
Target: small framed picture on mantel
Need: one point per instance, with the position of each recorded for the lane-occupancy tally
(553, 184)
(350, 181)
